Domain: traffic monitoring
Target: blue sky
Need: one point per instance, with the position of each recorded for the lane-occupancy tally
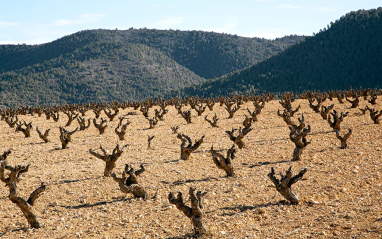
(41, 21)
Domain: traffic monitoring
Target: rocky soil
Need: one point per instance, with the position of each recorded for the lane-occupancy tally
(340, 194)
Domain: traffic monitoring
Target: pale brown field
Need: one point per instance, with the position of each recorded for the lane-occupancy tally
(340, 195)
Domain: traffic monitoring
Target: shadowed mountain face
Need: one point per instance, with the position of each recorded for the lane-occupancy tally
(347, 54)
(107, 65)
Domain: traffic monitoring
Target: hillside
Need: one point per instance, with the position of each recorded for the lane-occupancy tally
(209, 54)
(107, 65)
(346, 54)
(126, 72)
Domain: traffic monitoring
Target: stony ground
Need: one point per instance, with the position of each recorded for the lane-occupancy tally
(340, 195)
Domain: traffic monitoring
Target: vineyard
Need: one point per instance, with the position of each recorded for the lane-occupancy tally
(246, 166)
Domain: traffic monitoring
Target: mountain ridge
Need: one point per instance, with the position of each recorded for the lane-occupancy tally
(346, 54)
(107, 65)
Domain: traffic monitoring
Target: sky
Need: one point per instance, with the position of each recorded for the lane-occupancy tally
(42, 21)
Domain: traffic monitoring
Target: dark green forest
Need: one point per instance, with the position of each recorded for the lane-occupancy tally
(107, 65)
(347, 53)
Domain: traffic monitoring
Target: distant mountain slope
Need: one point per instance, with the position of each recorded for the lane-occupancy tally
(209, 54)
(14, 57)
(348, 53)
(126, 72)
(106, 65)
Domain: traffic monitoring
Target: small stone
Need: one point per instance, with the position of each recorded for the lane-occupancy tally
(310, 200)
(261, 211)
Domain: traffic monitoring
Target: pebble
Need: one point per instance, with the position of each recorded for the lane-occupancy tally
(261, 211)
(310, 200)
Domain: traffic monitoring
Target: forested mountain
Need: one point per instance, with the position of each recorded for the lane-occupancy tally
(107, 65)
(209, 54)
(136, 73)
(348, 53)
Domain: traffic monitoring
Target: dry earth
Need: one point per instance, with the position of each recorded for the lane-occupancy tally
(340, 195)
